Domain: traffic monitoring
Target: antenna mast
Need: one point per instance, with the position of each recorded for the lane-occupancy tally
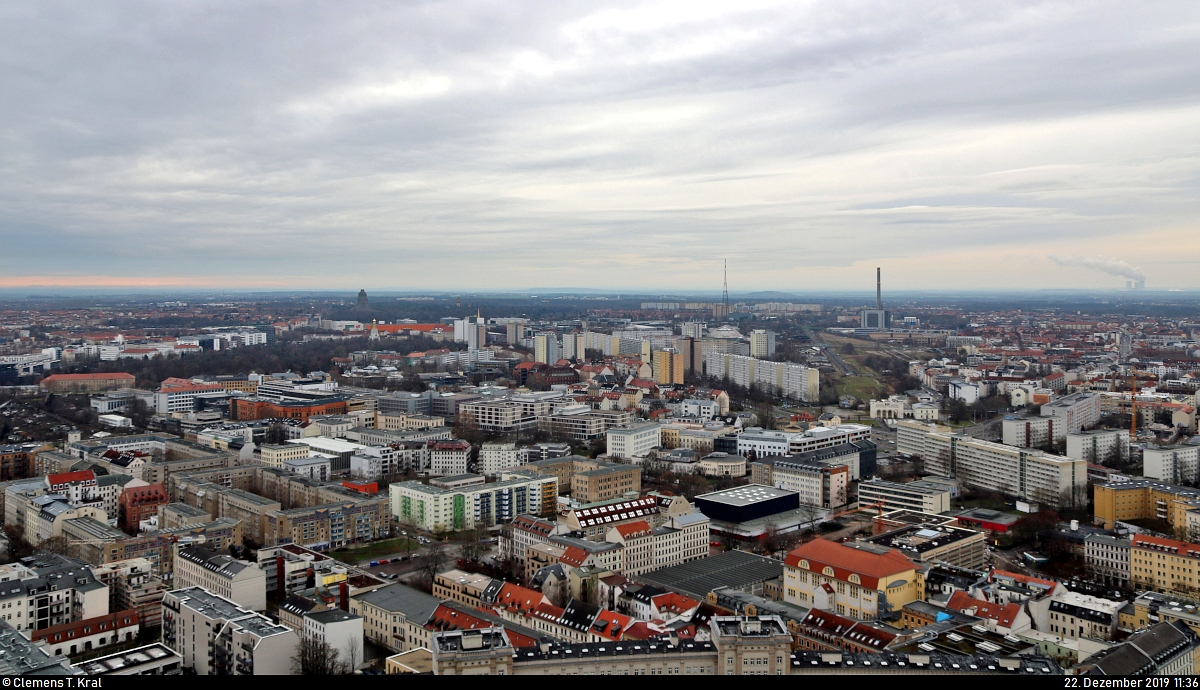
(726, 290)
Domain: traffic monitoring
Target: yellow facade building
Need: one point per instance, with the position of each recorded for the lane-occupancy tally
(668, 367)
(855, 581)
(1142, 499)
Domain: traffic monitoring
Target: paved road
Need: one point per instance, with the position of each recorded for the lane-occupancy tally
(845, 369)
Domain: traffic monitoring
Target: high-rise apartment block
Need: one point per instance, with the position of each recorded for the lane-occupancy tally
(574, 346)
(762, 343)
(546, 348)
(1048, 479)
(668, 367)
(787, 379)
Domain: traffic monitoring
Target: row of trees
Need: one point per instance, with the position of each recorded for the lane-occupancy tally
(281, 355)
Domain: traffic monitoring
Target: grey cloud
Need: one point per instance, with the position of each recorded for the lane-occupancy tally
(334, 140)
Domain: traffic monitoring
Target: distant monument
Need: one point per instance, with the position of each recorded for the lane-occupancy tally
(363, 303)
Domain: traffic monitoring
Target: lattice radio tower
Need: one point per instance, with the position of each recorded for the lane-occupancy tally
(725, 294)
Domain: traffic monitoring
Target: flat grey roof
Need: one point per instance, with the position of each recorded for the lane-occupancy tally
(732, 569)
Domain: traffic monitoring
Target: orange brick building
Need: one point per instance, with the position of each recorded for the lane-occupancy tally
(71, 383)
(139, 503)
(242, 409)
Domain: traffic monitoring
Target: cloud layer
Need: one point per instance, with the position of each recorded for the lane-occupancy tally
(634, 145)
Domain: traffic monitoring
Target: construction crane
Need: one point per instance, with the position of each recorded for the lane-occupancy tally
(1133, 390)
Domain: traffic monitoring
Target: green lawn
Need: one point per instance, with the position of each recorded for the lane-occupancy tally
(861, 387)
(374, 550)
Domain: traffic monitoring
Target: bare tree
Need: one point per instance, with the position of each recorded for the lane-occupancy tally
(59, 545)
(810, 511)
(432, 564)
(471, 544)
(770, 538)
(276, 434)
(728, 540)
(356, 654)
(316, 657)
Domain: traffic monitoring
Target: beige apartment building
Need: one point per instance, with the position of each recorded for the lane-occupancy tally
(456, 585)
(276, 455)
(241, 582)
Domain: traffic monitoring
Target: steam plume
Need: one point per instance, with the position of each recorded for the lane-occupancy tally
(1113, 267)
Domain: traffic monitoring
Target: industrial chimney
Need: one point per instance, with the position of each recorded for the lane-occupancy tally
(878, 288)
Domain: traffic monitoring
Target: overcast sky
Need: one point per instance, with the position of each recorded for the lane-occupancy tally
(475, 145)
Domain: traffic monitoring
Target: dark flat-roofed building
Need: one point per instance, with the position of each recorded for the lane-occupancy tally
(745, 503)
(732, 570)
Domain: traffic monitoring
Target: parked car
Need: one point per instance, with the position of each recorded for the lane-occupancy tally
(384, 561)
(374, 563)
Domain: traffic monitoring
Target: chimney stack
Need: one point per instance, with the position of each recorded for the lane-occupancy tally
(878, 288)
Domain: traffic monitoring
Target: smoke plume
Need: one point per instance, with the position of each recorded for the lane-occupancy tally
(1113, 267)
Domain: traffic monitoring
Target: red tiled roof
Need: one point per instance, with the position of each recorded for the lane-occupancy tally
(673, 602)
(850, 631)
(518, 598)
(70, 477)
(614, 624)
(1004, 615)
(641, 630)
(421, 327)
(574, 556)
(531, 524)
(446, 618)
(637, 528)
(844, 560)
(100, 624)
(1181, 548)
(548, 612)
(827, 621)
(1023, 579)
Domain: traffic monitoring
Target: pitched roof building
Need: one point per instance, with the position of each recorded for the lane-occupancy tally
(861, 581)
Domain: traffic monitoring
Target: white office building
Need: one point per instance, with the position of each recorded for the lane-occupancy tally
(704, 409)
(1171, 464)
(1077, 411)
(923, 497)
(822, 437)
(495, 458)
(217, 637)
(763, 443)
(1099, 446)
(633, 441)
(1033, 432)
(341, 630)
